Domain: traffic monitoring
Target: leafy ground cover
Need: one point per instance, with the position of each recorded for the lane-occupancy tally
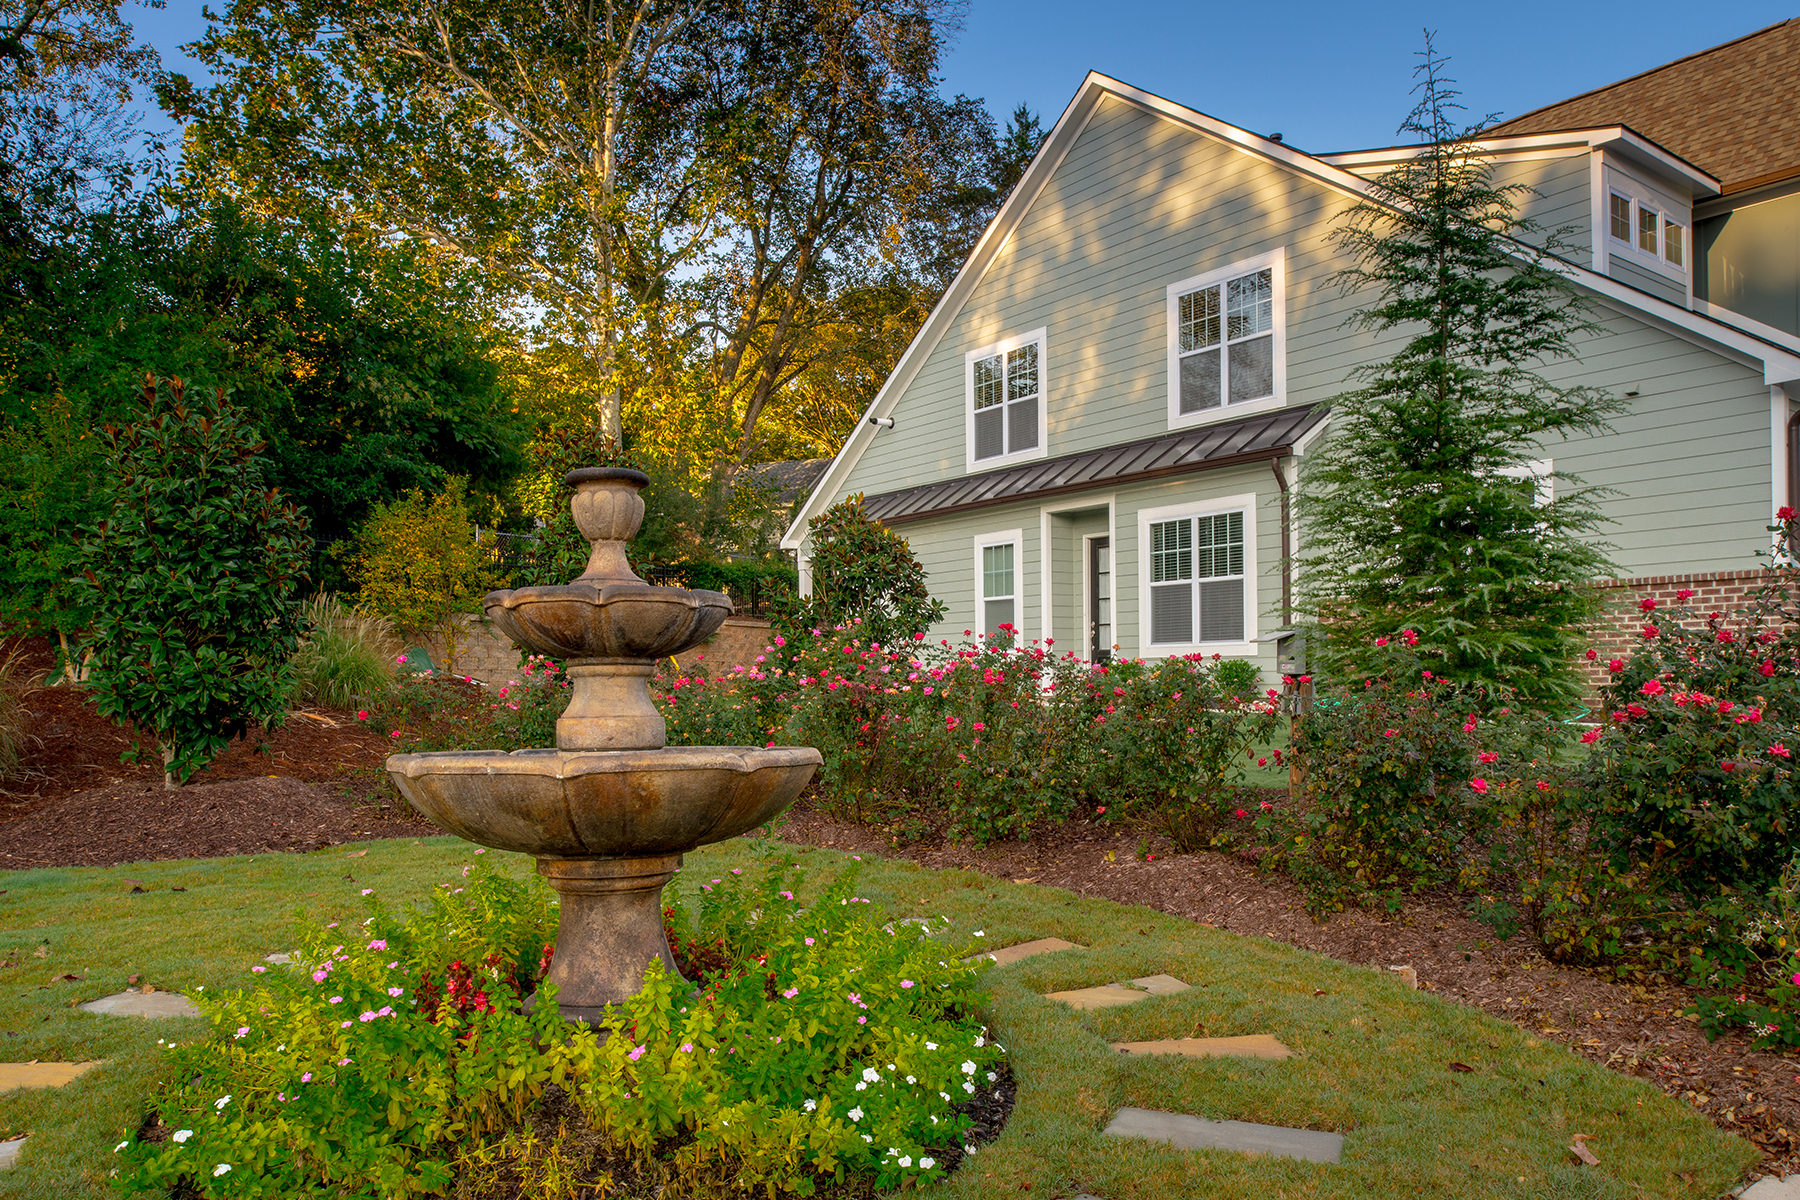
(1373, 1059)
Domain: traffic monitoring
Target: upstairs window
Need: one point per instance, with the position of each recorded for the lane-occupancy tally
(1006, 400)
(1646, 227)
(1226, 334)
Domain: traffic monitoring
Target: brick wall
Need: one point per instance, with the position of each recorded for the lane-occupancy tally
(1618, 632)
(484, 653)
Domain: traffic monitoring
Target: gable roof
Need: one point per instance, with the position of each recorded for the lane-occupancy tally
(1229, 443)
(1778, 364)
(1733, 110)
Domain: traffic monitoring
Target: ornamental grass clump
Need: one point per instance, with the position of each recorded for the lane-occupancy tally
(346, 658)
(397, 1059)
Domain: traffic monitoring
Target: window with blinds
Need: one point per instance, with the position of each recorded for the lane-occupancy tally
(1006, 393)
(1198, 585)
(998, 594)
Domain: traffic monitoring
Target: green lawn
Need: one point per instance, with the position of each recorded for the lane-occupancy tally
(1371, 1056)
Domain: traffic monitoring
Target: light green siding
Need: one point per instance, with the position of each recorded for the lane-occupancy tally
(1559, 201)
(1140, 202)
(1657, 284)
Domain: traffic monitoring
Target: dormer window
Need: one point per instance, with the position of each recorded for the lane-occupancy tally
(1227, 341)
(1645, 226)
(1005, 385)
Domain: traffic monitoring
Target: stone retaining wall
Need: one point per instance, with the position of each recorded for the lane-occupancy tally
(485, 654)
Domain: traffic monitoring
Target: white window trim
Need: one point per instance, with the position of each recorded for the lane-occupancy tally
(1541, 473)
(1276, 261)
(1146, 517)
(1669, 209)
(1015, 538)
(1039, 335)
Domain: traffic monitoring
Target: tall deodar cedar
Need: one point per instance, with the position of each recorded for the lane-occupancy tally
(1427, 507)
(194, 580)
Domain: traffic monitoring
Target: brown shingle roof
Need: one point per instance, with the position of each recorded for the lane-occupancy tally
(1228, 443)
(1733, 110)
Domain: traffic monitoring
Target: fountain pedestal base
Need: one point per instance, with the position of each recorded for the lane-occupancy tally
(609, 930)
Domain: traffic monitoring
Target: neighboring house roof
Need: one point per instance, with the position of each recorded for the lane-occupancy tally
(1229, 443)
(1731, 110)
(789, 480)
(1778, 364)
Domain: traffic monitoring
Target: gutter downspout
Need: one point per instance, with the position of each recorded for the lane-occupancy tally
(1287, 566)
(1793, 468)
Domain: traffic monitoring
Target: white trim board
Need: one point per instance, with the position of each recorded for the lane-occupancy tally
(1779, 365)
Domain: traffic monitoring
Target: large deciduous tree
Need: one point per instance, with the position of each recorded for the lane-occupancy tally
(546, 143)
(1423, 509)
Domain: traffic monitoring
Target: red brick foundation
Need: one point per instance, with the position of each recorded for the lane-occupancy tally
(1727, 592)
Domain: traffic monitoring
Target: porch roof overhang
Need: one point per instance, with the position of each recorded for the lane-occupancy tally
(1254, 438)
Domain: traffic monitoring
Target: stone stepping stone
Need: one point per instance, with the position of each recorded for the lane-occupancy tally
(1771, 1188)
(1197, 1133)
(1256, 1045)
(42, 1074)
(143, 1004)
(9, 1153)
(1112, 995)
(1012, 954)
(281, 958)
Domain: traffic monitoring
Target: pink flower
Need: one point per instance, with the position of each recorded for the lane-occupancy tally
(1239, 813)
(906, 983)
(1389, 732)
(393, 733)
(1652, 687)
(1728, 766)
(1651, 631)
(319, 976)
(1479, 784)
(790, 993)
(862, 1020)
(1684, 595)
(368, 891)
(636, 1054)
(306, 1077)
(362, 714)
(1592, 655)
(259, 970)
(1488, 756)
(809, 941)
(687, 1047)
(1768, 667)
(1380, 641)
(1615, 665)
(1542, 786)
(1779, 751)
(1648, 604)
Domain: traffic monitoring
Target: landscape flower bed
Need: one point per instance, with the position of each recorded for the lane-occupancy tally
(824, 1044)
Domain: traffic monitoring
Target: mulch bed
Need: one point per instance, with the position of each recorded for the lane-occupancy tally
(315, 783)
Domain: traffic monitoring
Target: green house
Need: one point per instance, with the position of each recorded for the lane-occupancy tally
(1094, 436)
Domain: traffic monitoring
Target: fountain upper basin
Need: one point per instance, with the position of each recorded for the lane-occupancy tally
(627, 619)
(608, 804)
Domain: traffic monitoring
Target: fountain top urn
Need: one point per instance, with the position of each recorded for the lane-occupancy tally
(608, 812)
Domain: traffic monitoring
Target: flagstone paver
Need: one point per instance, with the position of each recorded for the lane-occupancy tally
(1256, 1045)
(9, 1152)
(1771, 1188)
(142, 1004)
(42, 1074)
(282, 958)
(1012, 954)
(1198, 1133)
(1112, 995)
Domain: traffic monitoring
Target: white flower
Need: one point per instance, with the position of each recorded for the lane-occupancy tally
(906, 1160)
(931, 1045)
(121, 1146)
(867, 1138)
(934, 1119)
(862, 1087)
(969, 1088)
(855, 1114)
(910, 1079)
(980, 1041)
(980, 933)
(221, 1169)
(992, 1077)
(968, 1068)
(945, 1095)
(221, 1102)
(871, 1075)
(926, 1163)
(811, 1105)
(182, 1135)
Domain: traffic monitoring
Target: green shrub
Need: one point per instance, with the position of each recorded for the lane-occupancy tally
(346, 658)
(192, 581)
(861, 571)
(824, 1045)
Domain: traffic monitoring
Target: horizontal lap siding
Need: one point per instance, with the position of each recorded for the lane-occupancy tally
(1689, 459)
(1646, 280)
(1138, 203)
(1561, 203)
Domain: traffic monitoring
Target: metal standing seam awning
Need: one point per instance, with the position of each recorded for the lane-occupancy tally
(1249, 439)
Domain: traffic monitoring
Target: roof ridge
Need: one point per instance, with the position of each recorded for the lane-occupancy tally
(1755, 33)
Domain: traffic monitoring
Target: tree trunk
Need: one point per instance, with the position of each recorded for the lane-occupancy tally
(170, 783)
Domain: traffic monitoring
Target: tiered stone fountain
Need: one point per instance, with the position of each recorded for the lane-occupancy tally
(610, 811)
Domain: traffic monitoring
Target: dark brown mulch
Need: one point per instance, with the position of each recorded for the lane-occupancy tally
(1633, 1029)
(136, 822)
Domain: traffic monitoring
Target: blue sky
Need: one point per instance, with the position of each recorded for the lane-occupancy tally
(1328, 76)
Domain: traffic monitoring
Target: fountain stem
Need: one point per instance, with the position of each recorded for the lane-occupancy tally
(608, 930)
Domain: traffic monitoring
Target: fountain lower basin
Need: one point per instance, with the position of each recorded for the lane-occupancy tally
(608, 829)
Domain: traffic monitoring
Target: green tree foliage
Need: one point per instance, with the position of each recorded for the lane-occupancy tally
(193, 580)
(1419, 510)
(861, 571)
(416, 562)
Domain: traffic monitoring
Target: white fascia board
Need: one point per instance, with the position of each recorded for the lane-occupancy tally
(1617, 138)
(1049, 156)
(1779, 366)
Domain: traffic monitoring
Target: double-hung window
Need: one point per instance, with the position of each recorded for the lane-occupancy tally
(1227, 340)
(1199, 572)
(1650, 225)
(997, 575)
(1005, 385)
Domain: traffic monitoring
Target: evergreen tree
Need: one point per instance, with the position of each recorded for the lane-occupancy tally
(1421, 511)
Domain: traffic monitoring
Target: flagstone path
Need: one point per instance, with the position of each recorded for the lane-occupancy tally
(143, 1004)
(42, 1074)
(9, 1152)
(1182, 1129)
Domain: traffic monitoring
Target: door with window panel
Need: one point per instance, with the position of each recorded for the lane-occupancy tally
(1226, 336)
(1006, 402)
(998, 595)
(1100, 599)
(1197, 580)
